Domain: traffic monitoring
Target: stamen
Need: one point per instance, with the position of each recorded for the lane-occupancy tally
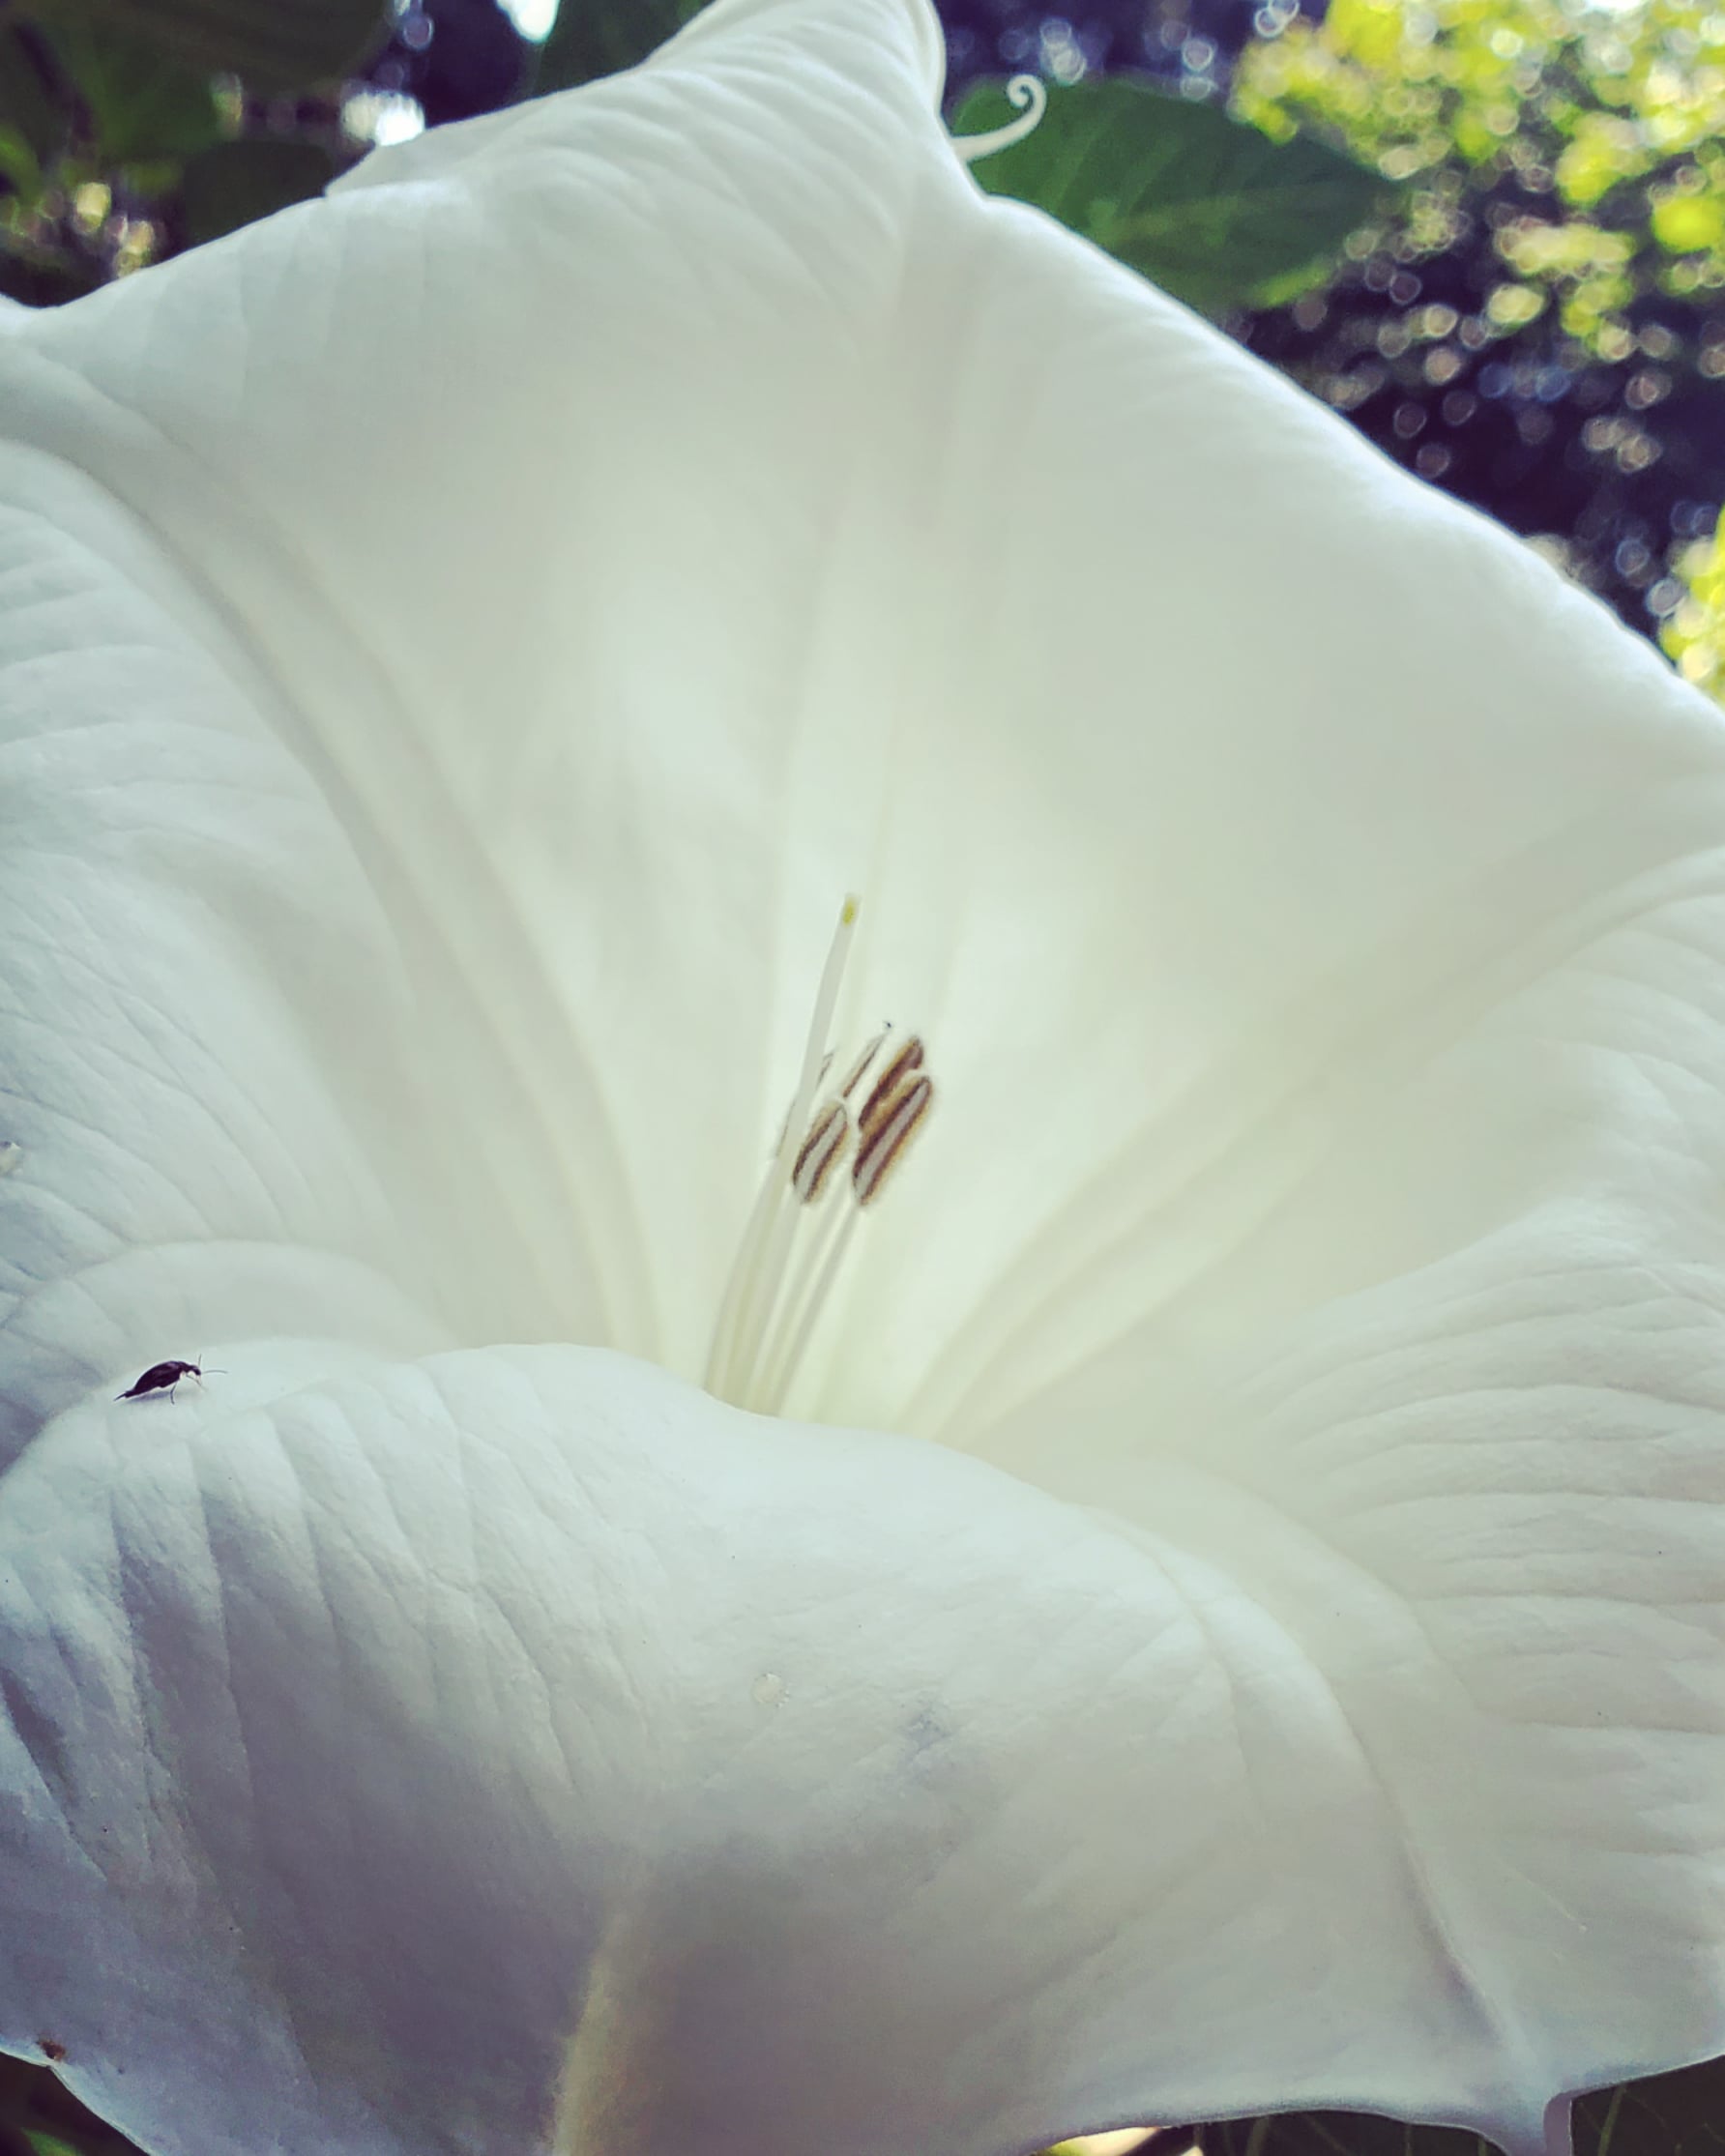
(785, 1129)
(907, 1059)
(879, 1150)
(801, 1317)
(822, 1150)
(735, 1333)
(794, 1246)
(859, 1071)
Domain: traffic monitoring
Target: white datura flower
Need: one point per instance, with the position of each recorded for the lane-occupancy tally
(1204, 1594)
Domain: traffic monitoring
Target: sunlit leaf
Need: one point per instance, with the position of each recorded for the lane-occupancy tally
(1689, 223)
(1211, 209)
(1694, 635)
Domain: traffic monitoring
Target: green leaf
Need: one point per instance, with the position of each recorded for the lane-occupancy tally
(1206, 206)
(19, 168)
(593, 38)
(28, 106)
(271, 44)
(141, 104)
(236, 182)
(39, 2114)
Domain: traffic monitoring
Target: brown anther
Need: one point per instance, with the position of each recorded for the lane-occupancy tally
(785, 1129)
(821, 1152)
(880, 1146)
(859, 1071)
(885, 1090)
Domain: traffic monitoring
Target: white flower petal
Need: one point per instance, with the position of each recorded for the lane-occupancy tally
(208, 1145)
(507, 701)
(800, 514)
(1312, 908)
(368, 1741)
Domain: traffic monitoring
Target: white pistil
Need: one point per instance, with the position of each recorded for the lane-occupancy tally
(771, 1305)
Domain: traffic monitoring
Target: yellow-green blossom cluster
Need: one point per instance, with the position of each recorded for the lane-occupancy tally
(1615, 119)
(1695, 635)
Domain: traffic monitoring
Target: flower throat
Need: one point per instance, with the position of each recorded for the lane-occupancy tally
(838, 1149)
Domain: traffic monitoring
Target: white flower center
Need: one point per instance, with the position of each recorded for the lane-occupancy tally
(800, 1229)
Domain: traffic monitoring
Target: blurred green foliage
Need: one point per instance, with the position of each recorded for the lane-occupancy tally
(1694, 635)
(1612, 120)
(127, 132)
(1539, 325)
(272, 45)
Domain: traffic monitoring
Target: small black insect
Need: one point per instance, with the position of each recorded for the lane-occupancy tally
(162, 1377)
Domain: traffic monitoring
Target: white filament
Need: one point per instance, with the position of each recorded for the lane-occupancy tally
(753, 1290)
(805, 1217)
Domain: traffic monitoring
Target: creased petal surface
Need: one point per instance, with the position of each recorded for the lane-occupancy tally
(458, 643)
(371, 1729)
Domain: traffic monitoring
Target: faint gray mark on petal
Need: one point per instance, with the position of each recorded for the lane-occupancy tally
(924, 1733)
